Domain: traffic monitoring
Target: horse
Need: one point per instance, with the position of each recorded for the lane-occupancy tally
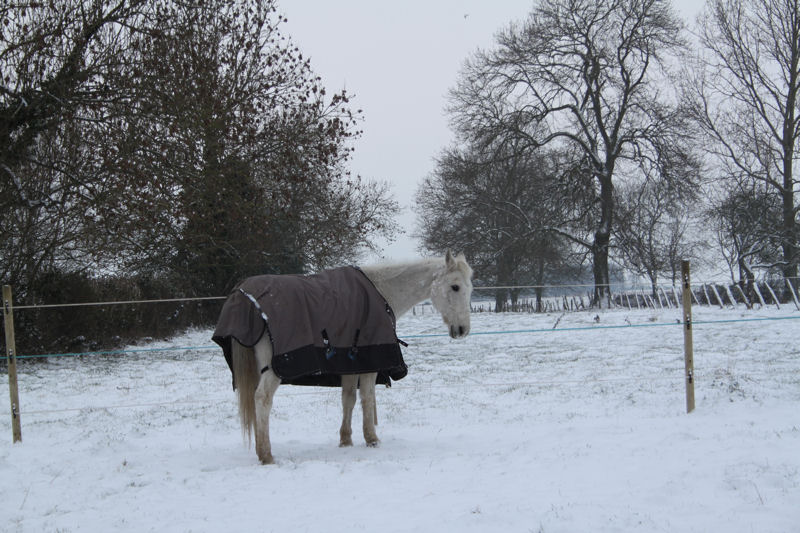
(446, 281)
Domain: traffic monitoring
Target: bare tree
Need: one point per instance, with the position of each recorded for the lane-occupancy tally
(652, 236)
(744, 94)
(494, 205)
(587, 75)
(747, 221)
(55, 60)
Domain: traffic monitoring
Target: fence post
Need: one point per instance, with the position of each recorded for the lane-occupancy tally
(705, 292)
(666, 298)
(11, 358)
(772, 293)
(688, 349)
(730, 295)
(791, 291)
(744, 297)
(716, 294)
(758, 293)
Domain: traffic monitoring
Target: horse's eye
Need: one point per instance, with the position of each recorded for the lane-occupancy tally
(455, 288)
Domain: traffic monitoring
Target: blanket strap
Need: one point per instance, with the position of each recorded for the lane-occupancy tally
(354, 350)
(329, 351)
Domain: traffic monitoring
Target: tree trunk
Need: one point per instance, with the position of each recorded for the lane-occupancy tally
(539, 283)
(600, 269)
(505, 277)
(746, 281)
(790, 235)
(602, 239)
(654, 287)
(500, 299)
(514, 293)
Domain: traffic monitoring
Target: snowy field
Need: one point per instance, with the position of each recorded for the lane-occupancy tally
(550, 431)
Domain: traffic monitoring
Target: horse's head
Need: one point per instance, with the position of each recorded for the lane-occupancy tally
(450, 294)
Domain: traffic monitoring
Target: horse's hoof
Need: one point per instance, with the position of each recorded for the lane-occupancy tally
(268, 460)
(373, 443)
(345, 443)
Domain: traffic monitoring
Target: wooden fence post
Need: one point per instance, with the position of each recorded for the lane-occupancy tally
(688, 349)
(666, 298)
(730, 296)
(11, 358)
(772, 293)
(791, 291)
(760, 296)
(675, 295)
(716, 294)
(744, 297)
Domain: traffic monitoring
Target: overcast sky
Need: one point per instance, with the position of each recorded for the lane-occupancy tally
(400, 59)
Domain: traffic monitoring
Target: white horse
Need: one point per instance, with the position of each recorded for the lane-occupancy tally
(446, 281)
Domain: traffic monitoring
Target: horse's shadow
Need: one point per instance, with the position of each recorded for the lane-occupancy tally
(294, 453)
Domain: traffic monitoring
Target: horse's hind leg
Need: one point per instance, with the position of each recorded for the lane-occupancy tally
(349, 383)
(264, 394)
(366, 385)
(265, 391)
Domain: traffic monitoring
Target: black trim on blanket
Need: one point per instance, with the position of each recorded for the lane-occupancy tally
(311, 365)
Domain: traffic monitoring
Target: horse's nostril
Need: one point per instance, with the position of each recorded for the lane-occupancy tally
(461, 331)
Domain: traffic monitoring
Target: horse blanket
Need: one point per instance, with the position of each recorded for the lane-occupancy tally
(321, 326)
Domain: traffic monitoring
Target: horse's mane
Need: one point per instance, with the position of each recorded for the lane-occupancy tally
(394, 266)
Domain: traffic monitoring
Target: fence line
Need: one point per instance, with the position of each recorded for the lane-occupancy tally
(620, 289)
(335, 392)
(620, 286)
(121, 302)
(430, 335)
(121, 352)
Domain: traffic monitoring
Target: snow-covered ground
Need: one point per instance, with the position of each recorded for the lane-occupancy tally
(576, 430)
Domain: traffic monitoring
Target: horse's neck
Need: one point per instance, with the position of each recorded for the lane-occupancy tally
(404, 284)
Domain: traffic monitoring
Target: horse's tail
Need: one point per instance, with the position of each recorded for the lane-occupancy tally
(245, 376)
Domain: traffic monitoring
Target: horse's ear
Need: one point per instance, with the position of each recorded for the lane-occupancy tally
(449, 261)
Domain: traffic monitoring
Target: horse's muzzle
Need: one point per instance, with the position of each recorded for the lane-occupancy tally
(458, 332)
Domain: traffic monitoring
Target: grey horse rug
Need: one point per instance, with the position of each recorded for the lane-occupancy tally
(321, 326)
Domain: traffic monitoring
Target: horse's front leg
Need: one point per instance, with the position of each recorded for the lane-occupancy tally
(349, 383)
(264, 394)
(366, 385)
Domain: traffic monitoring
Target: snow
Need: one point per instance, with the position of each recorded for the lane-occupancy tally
(567, 430)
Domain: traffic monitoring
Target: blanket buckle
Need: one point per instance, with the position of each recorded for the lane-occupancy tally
(354, 349)
(329, 350)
